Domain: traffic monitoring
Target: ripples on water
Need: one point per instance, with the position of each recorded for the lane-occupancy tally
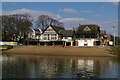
(26, 66)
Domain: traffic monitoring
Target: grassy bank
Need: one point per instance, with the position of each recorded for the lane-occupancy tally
(5, 47)
(115, 50)
(67, 51)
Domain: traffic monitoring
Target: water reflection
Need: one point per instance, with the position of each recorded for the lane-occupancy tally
(26, 66)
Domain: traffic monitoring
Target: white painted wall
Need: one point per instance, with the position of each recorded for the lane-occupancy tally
(68, 39)
(80, 42)
(89, 42)
(111, 43)
(33, 35)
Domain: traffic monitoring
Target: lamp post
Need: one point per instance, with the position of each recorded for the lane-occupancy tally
(114, 34)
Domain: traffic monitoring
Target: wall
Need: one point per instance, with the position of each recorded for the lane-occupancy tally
(89, 42)
(67, 39)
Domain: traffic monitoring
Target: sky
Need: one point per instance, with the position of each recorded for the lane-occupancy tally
(105, 14)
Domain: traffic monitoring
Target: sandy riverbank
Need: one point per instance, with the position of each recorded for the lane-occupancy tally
(68, 51)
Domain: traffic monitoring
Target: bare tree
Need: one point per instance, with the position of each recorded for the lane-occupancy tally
(44, 21)
(15, 27)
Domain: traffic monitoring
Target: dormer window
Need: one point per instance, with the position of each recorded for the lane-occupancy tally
(86, 28)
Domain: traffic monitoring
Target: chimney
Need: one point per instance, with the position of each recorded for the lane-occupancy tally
(73, 29)
(104, 32)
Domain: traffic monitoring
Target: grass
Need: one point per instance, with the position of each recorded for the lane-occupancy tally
(6, 47)
(115, 50)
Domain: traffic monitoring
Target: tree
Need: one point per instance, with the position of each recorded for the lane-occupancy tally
(15, 27)
(44, 21)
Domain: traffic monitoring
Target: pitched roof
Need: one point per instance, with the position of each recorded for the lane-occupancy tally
(37, 31)
(67, 33)
(56, 28)
(43, 30)
(88, 29)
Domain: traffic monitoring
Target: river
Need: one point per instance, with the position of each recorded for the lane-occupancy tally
(36, 66)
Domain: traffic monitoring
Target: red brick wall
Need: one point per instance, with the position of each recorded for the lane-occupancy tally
(95, 43)
(76, 43)
(109, 37)
(106, 43)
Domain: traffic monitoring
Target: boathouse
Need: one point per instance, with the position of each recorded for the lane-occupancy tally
(85, 35)
(88, 35)
(34, 36)
(68, 36)
(52, 36)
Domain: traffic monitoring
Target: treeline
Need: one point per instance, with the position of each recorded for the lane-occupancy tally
(16, 27)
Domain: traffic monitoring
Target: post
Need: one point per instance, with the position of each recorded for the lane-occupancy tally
(65, 43)
(114, 34)
(76, 43)
(114, 38)
(71, 43)
(53, 43)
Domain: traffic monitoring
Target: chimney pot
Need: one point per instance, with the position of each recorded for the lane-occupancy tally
(104, 32)
(73, 29)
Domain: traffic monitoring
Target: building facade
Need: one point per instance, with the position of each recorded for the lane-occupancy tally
(51, 36)
(68, 36)
(85, 35)
(35, 34)
(88, 35)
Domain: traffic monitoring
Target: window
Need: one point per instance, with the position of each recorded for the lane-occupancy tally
(53, 36)
(59, 36)
(87, 36)
(82, 36)
(65, 37)
(45, 36)
(86, 28)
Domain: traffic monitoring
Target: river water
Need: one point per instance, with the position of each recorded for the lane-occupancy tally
(34, 66)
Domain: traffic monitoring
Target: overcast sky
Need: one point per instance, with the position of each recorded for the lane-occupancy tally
(105, 14)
